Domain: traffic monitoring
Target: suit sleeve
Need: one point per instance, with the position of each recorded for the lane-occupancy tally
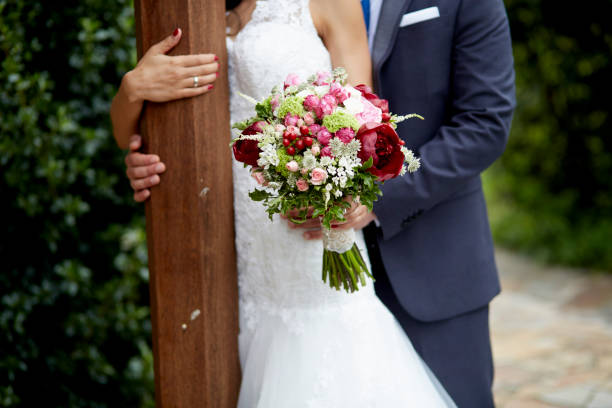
(483, 99)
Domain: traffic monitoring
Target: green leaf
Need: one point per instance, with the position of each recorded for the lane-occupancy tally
(258, 195)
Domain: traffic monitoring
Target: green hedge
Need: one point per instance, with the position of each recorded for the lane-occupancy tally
(550, 195)
(74, 311)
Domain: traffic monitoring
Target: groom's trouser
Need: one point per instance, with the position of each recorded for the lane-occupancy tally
(457, 350)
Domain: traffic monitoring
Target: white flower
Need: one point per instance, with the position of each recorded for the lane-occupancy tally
(353, 106)
(329, 187)
(268, 156)
(304, 93)
(326, 161)
(309, 162)
(321, 90)
(338, 193)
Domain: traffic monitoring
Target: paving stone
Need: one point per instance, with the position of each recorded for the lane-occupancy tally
(551, 332)
(601, 400)
(571, 397)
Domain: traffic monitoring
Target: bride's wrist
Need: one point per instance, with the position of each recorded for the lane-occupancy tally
(128, 85)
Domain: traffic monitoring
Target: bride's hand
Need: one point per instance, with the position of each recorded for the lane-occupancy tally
(159, 78)
(312, 225)
(143, 170)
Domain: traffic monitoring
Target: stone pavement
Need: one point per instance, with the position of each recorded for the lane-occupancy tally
(552, 336)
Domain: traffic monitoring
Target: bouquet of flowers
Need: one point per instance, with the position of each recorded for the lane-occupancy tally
(318, 146)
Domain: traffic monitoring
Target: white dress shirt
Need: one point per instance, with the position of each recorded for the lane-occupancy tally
(375, 6)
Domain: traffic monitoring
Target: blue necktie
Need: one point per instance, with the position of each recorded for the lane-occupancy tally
(365, 5)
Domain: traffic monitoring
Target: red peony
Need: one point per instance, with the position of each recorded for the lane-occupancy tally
(246, 151)
(380, 142)
(367, 93)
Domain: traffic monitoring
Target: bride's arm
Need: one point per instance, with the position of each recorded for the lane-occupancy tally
(341, 26)
(160, 78)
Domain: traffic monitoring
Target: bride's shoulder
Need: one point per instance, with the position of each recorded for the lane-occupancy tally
(329, 15)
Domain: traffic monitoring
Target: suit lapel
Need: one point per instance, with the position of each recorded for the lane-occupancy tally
(386, 29)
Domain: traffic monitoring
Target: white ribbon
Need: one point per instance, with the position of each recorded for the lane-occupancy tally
(338, 241)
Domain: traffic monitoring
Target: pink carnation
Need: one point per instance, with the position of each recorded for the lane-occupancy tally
(314, 128)
(274, 102)
(324, 136)
(309, 119)
(311, 102)
(326, 151)
(345, 134)
(370, 113)
(302, 185)
(318, 176)
(322, 78)
(338, 92)
(291, 120)
(292, 80)
(330, 100)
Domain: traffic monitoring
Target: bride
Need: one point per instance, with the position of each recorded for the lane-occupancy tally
(302, 344)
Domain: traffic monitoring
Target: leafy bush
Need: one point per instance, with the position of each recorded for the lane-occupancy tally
(551, 193)
(74, 311)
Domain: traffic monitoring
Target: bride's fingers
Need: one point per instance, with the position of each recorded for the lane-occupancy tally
(203, 81)
(145, 171)
(200, 70)
(143, 183)
(142, 195)
(167, 43)
(194, 60)
(191, 92)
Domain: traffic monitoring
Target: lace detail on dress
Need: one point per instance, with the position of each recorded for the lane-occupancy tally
(303, 344)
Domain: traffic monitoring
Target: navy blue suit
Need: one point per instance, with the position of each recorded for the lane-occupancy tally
(433, 255)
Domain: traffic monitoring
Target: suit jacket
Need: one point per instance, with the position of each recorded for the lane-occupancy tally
(457, 71)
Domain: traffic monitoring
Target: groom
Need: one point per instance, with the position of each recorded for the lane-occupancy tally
(431, 248)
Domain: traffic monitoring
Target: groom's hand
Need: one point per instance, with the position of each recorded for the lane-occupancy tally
(357, 217)
(142, 169)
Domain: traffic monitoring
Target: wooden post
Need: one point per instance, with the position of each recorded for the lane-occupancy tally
(190, 227)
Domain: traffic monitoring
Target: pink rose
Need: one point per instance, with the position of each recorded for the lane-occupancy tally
(322, 78)
(279, 128)
(300, 123)
(311, 102)
(345, 134)
(338, 92)
(292, 166)
(292, 80)
(318, 176)
(370, 113)
(326, 151)
(314, 128)
(315, 150)
(291, 120)
(302, 185)
(293, 130)
(324, 136)
(309, 119)
(259, 177)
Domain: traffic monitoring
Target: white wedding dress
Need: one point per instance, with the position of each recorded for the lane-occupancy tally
(303, 344)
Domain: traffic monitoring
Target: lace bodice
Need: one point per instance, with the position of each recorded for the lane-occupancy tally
(278, 270)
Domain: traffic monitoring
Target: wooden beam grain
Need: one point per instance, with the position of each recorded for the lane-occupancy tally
(190, 227)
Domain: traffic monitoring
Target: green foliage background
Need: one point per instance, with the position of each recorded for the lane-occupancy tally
(74, 318)
(550, 194)
(73, 287)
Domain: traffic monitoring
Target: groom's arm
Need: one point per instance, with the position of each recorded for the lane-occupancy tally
(476, 134)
